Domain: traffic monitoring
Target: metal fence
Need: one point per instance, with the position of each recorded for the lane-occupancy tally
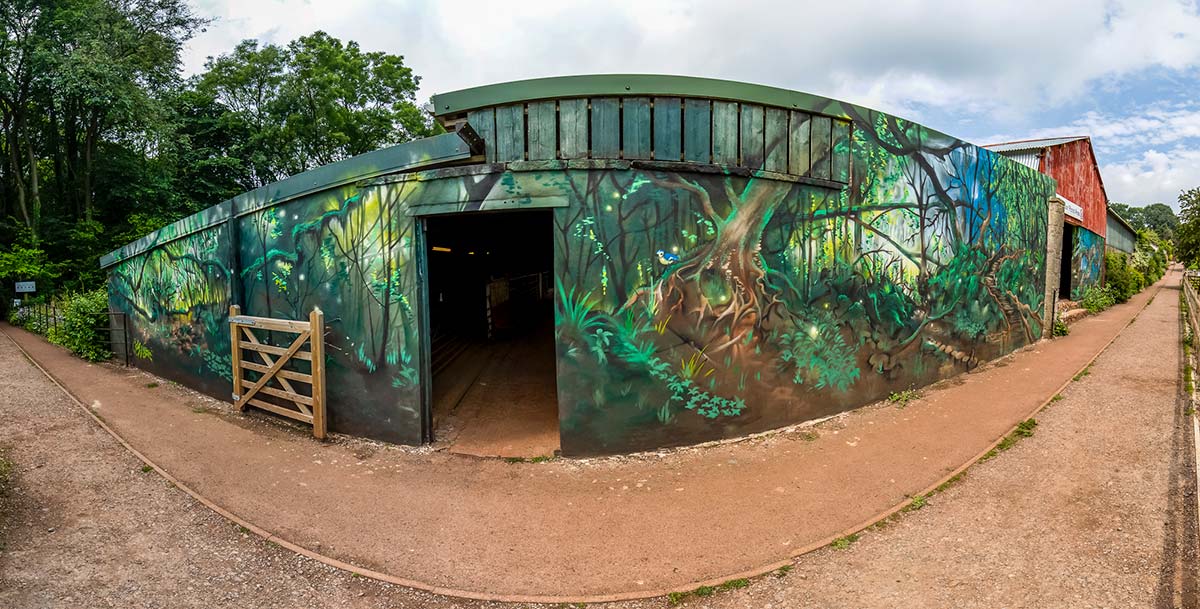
(45, 318)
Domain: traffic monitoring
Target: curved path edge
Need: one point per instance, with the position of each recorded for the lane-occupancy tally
(521, 598)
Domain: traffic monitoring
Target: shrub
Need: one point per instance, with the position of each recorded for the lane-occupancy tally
(82, 329)
(1098, 298)
(1061, 328)
(1123, 279)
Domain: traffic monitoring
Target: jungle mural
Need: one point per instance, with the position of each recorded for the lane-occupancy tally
(351, 252)
(1087, 259)
(176, 298)
(695, 306)
(348, 251)
(693, 302)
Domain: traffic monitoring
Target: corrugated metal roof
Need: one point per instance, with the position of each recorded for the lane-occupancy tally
(1028, 158)
(1038, 144)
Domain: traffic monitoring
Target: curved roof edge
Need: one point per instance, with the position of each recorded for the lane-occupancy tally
(601, 85)
(424, 152)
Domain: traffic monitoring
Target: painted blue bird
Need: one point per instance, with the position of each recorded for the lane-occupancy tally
(665, 257)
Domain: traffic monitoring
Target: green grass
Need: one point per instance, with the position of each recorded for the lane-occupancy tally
(537, 459)
(950, 482)
(809, 436)
(1083, 373)
(1057, 397)
(917, 503)
(676, 598)
(902, 398)
(6, 474)
(147, 469)
(841, 543)
(151, 385)
(783, 571)
(1024, 430)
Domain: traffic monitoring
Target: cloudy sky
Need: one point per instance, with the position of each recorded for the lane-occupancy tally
(1126, 72)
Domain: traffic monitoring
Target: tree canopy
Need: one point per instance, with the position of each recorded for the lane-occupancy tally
(102, 138)
(1158, 217)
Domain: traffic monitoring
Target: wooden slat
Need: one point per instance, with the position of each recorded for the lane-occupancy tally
(484, 123)
(839, 164)
(235, 343)
(750, 136)
(273, 350)
(510, 133)
(668, 129)
(697, 131)
(543, 136)
(267, 358)
(606, 128)
(725, 133)
(287, 395)
(287, 374)
(775, 137)
(283, 359)
(799, 151)
(635, 128)
(316, 320)
(573, 128)
(268, 323)
(822, 132)
(280, 410)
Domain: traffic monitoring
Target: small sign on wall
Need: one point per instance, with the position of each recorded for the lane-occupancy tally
(24, 287)
(1071, 208)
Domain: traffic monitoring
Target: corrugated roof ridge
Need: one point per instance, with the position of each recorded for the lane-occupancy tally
(1040, 142)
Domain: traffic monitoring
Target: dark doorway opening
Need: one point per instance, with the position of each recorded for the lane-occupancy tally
(1064, 269)
(491, 322)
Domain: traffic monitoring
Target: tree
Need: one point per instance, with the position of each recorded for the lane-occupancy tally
(1158, 217)
(1188, 236)
(314, 102)
(102, 142)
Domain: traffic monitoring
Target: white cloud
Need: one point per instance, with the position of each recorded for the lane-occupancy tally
(1011, 57)
(1153, 177)
(993, 66)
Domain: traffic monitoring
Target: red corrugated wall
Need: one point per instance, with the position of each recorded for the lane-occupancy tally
(1074, 167)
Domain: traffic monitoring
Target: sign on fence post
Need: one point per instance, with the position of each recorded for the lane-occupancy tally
(26, 287)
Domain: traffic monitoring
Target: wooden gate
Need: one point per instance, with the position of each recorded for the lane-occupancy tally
(310, 407)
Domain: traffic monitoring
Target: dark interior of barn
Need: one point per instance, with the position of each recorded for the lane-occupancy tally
(492, 332)
(1064, 277)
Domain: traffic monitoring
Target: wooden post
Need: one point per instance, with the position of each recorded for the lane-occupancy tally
(236, 343)
(316, 334)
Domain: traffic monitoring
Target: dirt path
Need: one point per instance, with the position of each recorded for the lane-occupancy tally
(558, 528)
(89, 528)
(1097, 509)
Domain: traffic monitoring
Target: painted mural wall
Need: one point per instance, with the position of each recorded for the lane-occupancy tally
(698, 306)
(1087, 262)
(349, 251)
(693, 302)
(177, 298)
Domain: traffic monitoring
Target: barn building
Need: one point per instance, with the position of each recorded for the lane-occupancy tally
(607, 264)
(1071, 161)
(1119, 235)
